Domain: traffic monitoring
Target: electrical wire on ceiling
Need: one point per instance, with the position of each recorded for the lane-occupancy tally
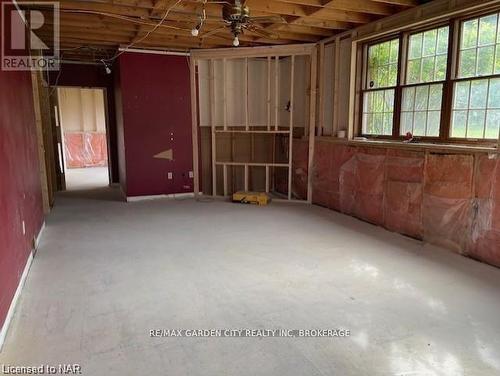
(119, 17)
(133, 43)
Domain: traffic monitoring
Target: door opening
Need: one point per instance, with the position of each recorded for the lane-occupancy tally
(83, 122)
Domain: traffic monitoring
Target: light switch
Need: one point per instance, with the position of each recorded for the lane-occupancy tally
(170, 176)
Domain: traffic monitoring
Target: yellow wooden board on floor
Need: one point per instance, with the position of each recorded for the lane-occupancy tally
(256, 198)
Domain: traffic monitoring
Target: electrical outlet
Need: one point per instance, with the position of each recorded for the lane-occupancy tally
(24, 228)
(170, 176)
(191, 175)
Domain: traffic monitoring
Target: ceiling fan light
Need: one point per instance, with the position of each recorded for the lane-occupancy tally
(236, 41)
(195, 31)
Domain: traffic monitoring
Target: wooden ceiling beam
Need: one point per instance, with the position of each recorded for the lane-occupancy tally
(401, 3)
(289, 9)
(364, 6)
(111, 23)
(309, 30)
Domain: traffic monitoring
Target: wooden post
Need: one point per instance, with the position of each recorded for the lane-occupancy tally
(276, 92)
(269, 93)
(212, 125)
(40, 141)
(194, 128)
(267, 179)
(321, 81)
(224, 95)
(224, 178)
(247, 125)
(290, 124)
(312, 118)
(246, 177)
(336, 87)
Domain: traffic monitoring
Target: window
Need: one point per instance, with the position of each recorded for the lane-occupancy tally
(476, 92)
(426, 63)
(378, 101)
(409, 87)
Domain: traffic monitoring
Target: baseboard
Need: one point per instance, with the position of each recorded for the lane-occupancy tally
(39, 236)
(13, 304)
(154, 197)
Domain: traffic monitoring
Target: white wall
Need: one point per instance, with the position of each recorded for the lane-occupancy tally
(82, 110)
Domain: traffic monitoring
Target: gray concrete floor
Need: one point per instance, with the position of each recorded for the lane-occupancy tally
(107, 272)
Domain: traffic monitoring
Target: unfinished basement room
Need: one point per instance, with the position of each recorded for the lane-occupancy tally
(250, 187)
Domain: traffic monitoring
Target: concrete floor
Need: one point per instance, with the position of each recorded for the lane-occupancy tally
(86, 178)
(107, 272)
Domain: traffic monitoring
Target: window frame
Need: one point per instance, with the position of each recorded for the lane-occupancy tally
(455, 26)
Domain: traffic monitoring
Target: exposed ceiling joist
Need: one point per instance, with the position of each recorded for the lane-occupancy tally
(108, 24)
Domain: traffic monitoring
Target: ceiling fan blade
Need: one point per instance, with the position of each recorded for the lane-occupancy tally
(267, 19)
(212, 32)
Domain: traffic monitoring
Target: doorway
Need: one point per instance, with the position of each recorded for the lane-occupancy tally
(82, 113)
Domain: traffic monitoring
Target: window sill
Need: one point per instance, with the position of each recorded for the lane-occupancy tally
(412, 146)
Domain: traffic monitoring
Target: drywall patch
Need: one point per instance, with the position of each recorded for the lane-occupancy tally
(166, 154)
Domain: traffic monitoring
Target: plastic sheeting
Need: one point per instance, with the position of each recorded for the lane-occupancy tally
(452, 200)
(485, 231)
(448, 196)
(404, 192)
(85, 149)
(362, 186)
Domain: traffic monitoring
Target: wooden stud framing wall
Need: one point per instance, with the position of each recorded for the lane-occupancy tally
(248, 106)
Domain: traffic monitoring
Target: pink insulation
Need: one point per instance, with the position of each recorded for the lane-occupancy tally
(87, 149)
(328, 161)
(404, 192)
(361, 186)
(452, 200)
(447, 200)
(485, 239)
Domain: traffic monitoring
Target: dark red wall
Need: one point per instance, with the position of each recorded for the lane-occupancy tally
(20, 192)
(86, 75)
(156, 110)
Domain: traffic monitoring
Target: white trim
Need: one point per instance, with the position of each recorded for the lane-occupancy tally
(13, 304)
(24, 276)
(154, 197)
(39, 236)
(156, 52)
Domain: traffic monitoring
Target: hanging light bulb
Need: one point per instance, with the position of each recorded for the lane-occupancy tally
(236, 41)
(196, 30)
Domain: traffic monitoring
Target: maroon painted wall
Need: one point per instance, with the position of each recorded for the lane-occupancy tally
(156, 116)
(85, 75)
(20, 189)
(452, 200)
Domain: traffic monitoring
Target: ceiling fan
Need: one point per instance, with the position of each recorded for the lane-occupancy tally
(236, 17)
